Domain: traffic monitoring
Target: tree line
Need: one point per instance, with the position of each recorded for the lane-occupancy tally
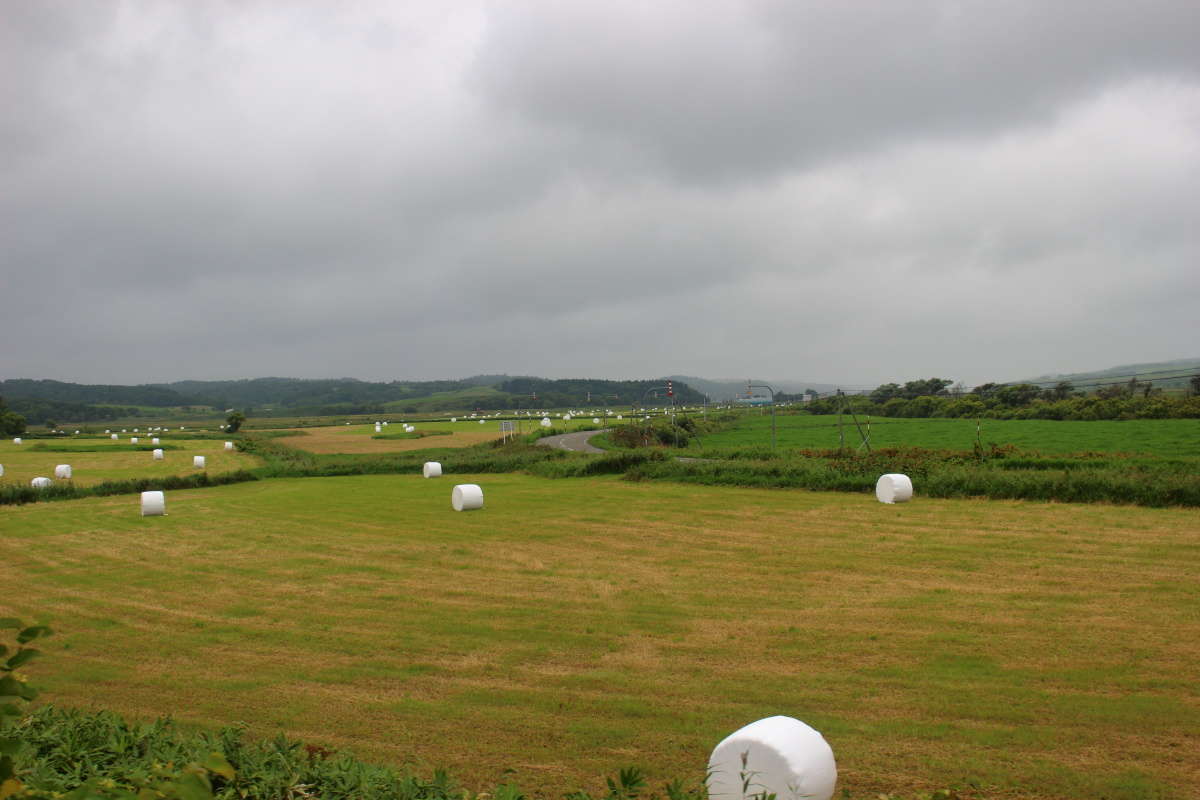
(939, 397)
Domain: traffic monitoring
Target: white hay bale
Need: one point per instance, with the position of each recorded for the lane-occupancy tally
(482, 421)
(40, 483)
(466, 497)
(454, 419)
(123, 430)
(379, 429)
(153, 440)
(198, 462)
(106, 430)
(1, 470)
(135, 430)
(893, 488)
(409, 428)
(228, 446)
(154, 504)
(546, 423)
(63, 472)
(595, 420)
(432, 469)
(777, 755)
(133, 440)
(619, 416)
(76, 432)
(114, 437)
(16, 440)
(385, 424)
(158, 455)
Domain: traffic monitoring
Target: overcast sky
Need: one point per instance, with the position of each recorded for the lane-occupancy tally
(827, 191)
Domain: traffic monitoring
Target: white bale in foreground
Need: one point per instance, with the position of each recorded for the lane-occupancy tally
(153, 440)
(198, 462)
(432, 469)
(454, 419)
(777, 755)
(546, 423)
(133, 440)
(16, 440)
(409, 428)
(63, 472)
(893, 488)
(40, 483)
(595, 420)
(154, 504)
(379, 429)
(114, 437)
(158, 455)
(482, 421)
(229, 445)
(466, 497)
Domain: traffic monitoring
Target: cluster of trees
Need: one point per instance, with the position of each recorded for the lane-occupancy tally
(592, 392)
(938, 397)
(11, 423)
(37, 411)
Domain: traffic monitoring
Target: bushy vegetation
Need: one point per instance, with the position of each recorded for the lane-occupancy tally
(14, 494)
(932, 398)
(11, 423)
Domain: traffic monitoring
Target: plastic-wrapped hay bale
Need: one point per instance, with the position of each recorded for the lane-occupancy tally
(63, 472)
(198, 462)
(114, 437)
(228, 446)
(893, 488)
(409, 428)
(595, 420)
(158, 455)
(546, 423)
(133, 440)
(153, 440)
(16, 440)
(154, 504)
(40, 483)
(777, 755)
(454, 419)
(466, 497)
(619, 417)
(432, 469)
(1, 470)
(482, 421)
(379, 429)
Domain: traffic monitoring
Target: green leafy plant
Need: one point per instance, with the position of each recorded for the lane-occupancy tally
(15, 692)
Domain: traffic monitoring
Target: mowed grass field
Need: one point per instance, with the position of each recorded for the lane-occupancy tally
(573, 627)
(107, 460)
(363, 439)
(1162, 437)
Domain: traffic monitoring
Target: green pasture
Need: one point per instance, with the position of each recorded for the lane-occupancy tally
(1165, 437)
(576, 626)
(97, 460)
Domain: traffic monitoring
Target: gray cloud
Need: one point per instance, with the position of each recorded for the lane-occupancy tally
(798, 190)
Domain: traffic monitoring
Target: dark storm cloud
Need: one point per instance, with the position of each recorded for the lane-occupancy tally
(830, 191)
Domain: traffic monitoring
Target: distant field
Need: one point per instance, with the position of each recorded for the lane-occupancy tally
(1168, 437)
(115, 460)
(576, 626)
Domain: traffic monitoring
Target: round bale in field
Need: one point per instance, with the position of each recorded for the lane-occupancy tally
(1, 470)
(778, 756)
(228, 446)
(154, 504)
(63, 472)
(198, 462)
(893, 488)
(133, 440)
(158, 454)
(113, 436)
(432, 469)
(546, 423)
(466, 497)
(39, 483)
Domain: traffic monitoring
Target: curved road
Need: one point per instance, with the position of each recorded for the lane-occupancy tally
(575, 442)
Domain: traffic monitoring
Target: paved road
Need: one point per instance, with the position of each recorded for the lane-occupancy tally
(577, 442)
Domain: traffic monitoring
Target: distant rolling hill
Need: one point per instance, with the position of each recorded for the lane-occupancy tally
(1165, 375)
